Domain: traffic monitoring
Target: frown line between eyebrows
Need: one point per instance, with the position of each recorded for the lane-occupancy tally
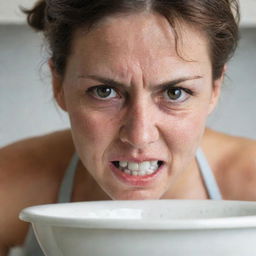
(113, 83)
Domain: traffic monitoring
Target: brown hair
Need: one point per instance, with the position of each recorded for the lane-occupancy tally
(58, 19)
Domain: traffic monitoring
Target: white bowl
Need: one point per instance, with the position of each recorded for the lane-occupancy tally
(151, 228)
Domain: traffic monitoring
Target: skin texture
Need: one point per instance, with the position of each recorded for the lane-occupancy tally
(138, 120)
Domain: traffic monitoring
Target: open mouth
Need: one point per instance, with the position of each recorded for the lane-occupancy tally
(138, 169)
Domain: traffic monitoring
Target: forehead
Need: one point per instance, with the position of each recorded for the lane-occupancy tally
(144, 41)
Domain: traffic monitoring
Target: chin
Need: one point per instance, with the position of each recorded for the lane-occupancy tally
(136, 195)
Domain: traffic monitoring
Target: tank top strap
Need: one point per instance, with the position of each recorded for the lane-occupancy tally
(66, 187)
(207, 175)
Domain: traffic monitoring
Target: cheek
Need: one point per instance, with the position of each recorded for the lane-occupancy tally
(183, 139)
(92, 133)
(185, 132)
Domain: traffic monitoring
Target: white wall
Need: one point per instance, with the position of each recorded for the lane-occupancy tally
(27, 107)
(236, 112)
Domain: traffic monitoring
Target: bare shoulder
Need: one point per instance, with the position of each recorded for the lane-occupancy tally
(41, 153)
(30, 173)
(234, 160)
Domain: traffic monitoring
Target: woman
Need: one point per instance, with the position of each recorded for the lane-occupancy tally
(138, 80)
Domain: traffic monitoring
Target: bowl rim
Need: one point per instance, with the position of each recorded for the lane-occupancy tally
(32, 214)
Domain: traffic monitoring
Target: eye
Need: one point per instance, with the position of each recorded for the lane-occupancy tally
(176, 94)
(103, 92)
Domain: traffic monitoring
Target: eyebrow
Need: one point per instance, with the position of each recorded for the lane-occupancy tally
(114, 83)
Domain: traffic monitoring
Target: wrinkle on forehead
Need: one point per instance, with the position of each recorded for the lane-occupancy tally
(126, 44)
(132, 32)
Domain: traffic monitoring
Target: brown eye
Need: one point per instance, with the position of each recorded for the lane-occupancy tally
(177, 94)
(103, 92)
(174, 93)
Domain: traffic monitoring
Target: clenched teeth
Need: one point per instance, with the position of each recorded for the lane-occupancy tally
(138, 169)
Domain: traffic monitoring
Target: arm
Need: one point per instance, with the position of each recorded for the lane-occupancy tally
(12, 230)
(30, 174)
(3, 250)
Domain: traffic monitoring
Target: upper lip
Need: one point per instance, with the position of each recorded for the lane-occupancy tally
(135, 159)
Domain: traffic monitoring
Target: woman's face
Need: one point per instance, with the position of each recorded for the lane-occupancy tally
(137, 109)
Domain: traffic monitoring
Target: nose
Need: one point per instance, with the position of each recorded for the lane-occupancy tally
(139, 128)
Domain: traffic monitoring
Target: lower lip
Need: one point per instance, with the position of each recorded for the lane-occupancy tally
(137, 181)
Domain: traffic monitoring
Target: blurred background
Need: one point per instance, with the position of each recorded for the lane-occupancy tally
(27, 107)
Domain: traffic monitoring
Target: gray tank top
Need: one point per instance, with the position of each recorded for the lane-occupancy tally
(31, 247)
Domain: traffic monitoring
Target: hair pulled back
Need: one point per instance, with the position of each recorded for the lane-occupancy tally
(58, 19)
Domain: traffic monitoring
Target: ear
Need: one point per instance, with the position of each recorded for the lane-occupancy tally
(57, 87)
(216, 90)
